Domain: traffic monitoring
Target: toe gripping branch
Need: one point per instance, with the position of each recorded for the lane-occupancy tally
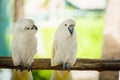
(66, 66)
(22, 67)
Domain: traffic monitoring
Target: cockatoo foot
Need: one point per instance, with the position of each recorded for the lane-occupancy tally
(21, 67)
(66, 66)
(29, 68)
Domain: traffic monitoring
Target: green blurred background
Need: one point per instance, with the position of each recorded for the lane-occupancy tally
(47, 15)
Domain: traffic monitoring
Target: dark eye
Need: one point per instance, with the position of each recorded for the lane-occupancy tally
(27, 28)
(65, 24)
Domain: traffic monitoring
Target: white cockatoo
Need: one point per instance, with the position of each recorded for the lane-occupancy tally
(24, 47)
(64, 50)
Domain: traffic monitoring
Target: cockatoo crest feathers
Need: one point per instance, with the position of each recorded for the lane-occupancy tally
(68, 22)
(23, 25)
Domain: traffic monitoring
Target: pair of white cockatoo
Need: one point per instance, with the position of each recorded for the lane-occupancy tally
(25, 44)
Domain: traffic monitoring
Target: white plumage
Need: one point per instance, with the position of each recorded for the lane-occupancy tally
(64, 48)
(24, 45)
(24, 42)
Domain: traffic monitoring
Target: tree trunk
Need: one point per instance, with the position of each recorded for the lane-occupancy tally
(18, 9)
(111, 47)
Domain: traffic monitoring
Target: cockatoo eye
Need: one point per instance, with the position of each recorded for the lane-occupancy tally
(27, 28)
(65, 24)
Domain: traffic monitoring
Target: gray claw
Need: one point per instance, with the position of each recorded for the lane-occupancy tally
(21, 67)
(64, 65)
(68, 67)
(29, 68)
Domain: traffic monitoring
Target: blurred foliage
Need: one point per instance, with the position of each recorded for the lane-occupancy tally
(41, 74)
(90, 37)
(69, 5)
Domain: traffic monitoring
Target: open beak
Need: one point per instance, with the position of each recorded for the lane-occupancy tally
(71, 29)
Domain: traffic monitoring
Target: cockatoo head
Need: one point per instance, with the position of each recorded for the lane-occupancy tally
(69, 24)
(25, 26)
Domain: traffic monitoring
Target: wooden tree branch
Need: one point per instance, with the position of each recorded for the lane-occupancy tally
(81, 64)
